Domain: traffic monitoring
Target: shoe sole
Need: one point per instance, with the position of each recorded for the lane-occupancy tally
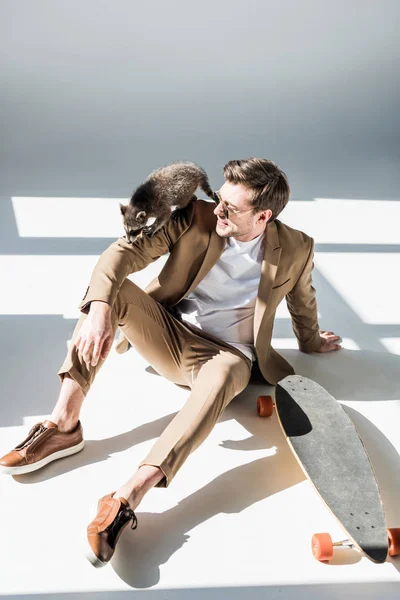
(41, 463)
(87, 549)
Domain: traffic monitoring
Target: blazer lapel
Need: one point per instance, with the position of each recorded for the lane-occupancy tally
(272, 254)
(216, 245)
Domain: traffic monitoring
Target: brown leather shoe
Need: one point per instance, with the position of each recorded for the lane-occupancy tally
(111, 516)
(43, 444)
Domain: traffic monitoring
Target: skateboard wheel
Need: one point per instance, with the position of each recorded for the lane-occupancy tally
(322, 546)
(265, 406)
(394, 541)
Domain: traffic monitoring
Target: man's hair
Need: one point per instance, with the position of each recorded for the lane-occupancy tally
(267, 184)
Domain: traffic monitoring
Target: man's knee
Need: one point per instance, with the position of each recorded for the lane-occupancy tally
(234, 373)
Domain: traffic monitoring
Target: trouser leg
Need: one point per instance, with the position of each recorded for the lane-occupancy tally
(219, 377)
(215, 371)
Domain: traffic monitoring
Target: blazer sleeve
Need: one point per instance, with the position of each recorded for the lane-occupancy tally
(302, 305)
(121, 259)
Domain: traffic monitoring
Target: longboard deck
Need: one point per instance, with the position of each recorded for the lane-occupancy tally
(332, 455)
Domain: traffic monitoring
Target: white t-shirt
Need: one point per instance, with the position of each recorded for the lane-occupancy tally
(223, 302)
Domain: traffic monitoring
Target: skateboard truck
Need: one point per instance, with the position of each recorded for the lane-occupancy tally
(322, 545)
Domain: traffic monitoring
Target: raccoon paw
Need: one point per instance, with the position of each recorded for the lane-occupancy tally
(149, 231)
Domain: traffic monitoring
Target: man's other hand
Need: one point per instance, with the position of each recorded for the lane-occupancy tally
(96, 335)
(331, 341)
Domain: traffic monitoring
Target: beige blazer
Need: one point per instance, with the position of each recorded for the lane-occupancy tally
(194, 248)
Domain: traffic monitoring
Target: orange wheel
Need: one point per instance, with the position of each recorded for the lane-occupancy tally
(322, 546)
(394, 541)
(265, 406)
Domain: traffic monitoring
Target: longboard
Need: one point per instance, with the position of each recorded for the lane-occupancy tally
(328, 448)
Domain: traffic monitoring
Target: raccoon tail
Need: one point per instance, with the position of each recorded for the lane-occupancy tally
(205, 186)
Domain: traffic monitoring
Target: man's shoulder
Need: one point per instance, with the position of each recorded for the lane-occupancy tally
(176, 227)
(198, 209)
(291, 236)
(197, 218)
(204, 218)
(204, 207)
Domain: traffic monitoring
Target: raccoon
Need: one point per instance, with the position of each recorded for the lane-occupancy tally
(162, 195)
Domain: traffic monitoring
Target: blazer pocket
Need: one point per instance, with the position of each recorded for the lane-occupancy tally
(280, 284)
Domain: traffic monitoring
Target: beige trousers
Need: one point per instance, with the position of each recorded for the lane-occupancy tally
(214, 371)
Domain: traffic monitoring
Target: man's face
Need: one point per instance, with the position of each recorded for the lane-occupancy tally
(244, 225)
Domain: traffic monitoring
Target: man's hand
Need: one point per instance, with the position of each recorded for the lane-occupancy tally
(96, 335)
(331, 341)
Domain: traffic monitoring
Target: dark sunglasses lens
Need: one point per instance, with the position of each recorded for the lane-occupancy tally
(224, 208)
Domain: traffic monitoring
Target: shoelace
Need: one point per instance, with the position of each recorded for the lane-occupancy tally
(134, 519)
(31, 439)
(116, 524)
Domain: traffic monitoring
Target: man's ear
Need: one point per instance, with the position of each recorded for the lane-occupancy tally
(268, 215)
(123, 209)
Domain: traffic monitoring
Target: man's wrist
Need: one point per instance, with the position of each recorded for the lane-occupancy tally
(99, 305)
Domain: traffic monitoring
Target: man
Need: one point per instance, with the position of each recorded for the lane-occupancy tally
(202, 323)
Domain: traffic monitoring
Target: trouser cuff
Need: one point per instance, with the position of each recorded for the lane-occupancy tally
(76, 376)
(168, 474)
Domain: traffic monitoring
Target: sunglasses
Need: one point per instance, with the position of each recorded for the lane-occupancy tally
(227, 211)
